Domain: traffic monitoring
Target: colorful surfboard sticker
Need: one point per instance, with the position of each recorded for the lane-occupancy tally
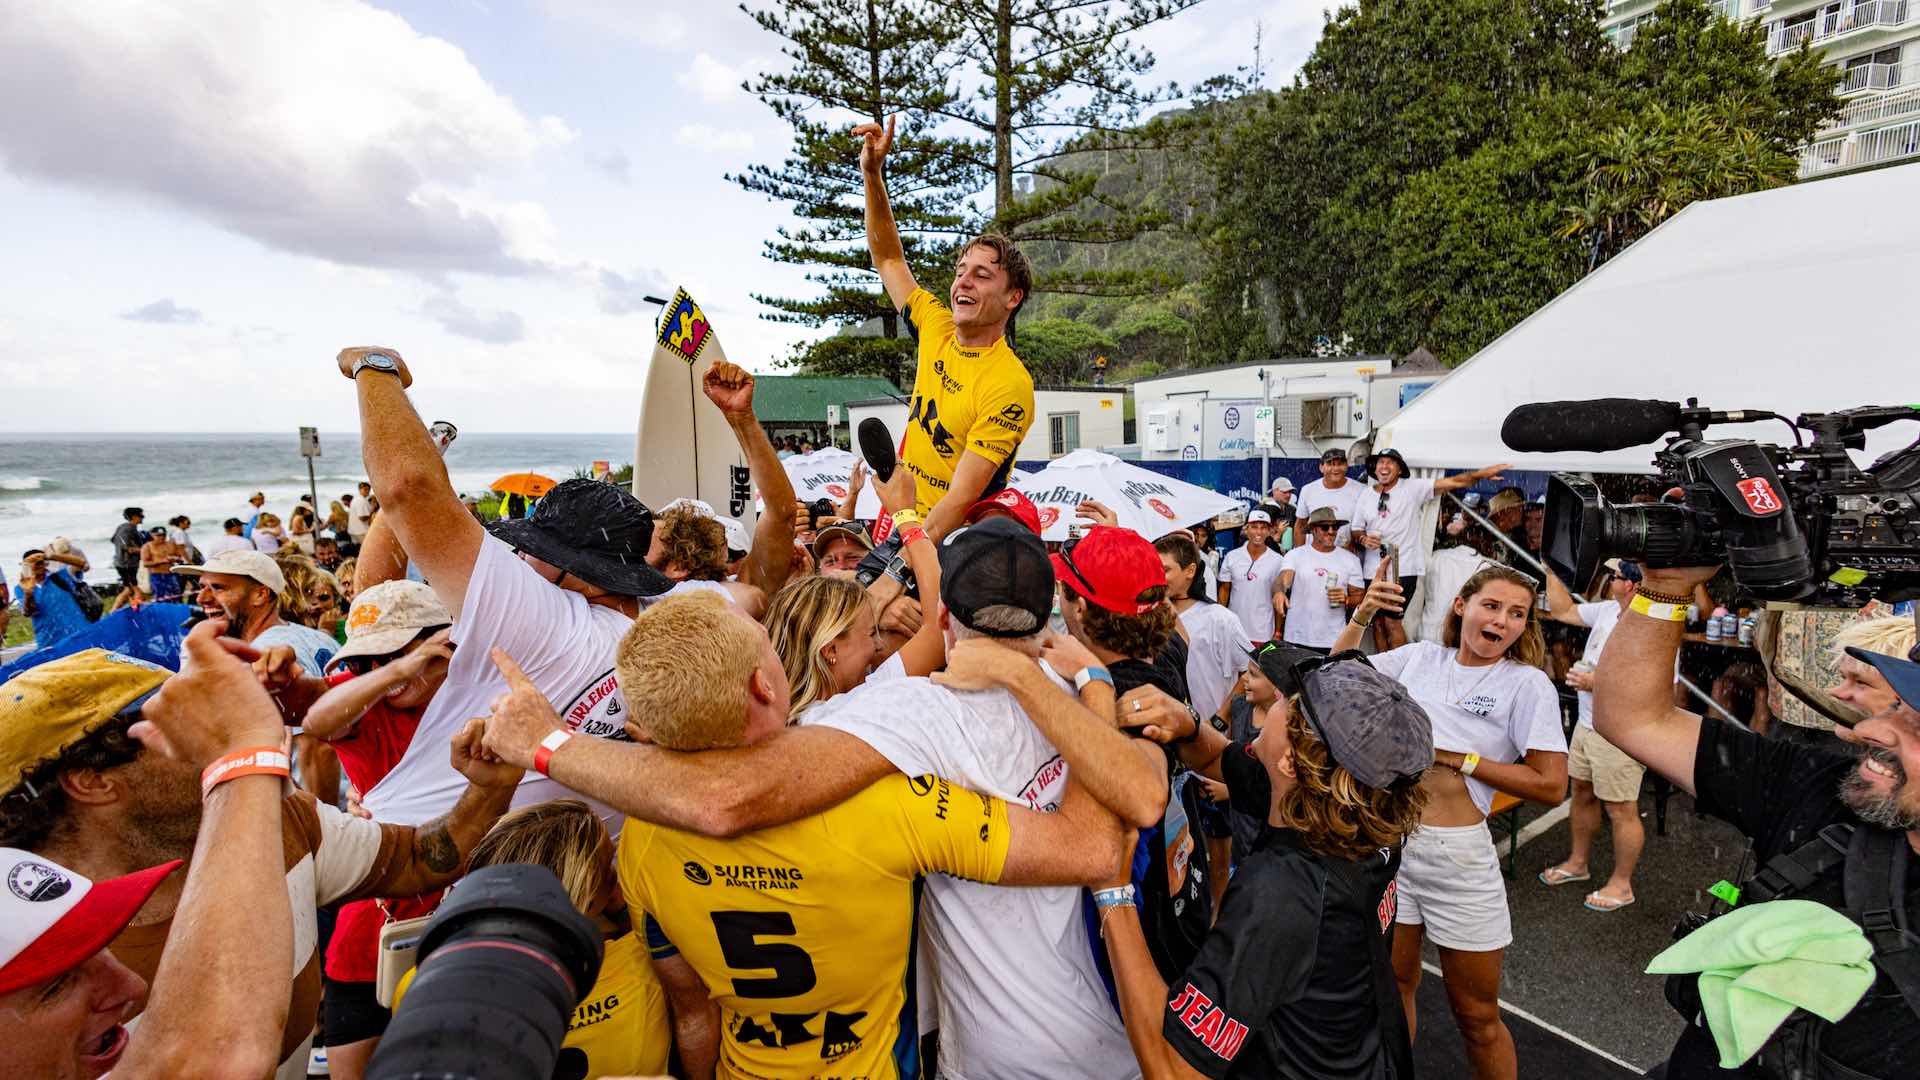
(683, 328)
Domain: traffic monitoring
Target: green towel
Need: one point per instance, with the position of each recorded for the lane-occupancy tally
(1760, 962)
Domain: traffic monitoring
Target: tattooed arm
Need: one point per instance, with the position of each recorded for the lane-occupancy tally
(440, 847)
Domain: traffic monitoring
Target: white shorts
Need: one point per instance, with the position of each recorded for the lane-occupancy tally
(1450, 881)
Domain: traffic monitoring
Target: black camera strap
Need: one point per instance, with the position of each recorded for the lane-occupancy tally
(1793, 871)
(1876, 892)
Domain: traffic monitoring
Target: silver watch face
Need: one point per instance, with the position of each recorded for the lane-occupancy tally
(380, 362)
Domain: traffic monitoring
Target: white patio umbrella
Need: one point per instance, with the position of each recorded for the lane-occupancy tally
(824, 474)
(1145, 501)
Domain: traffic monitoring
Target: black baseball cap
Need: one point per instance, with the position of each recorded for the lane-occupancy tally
(1335, 454)
(1370, 723)
(998, 566)
(1276, 660)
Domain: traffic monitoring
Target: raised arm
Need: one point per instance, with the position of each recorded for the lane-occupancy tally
(883, 237)
(381, 559)
(730, 388)
(1561, 606)
(1633, 684)
(926, 650)
(214, 1010)
(1383, 594)
(416, 497)
(341, 707)
(1124, 775)
(970, 479)
(796, 773)
(1468, 479)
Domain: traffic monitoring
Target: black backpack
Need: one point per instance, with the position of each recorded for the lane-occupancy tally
(89, 601)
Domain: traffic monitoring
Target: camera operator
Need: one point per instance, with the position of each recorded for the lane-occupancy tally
(1782, 794)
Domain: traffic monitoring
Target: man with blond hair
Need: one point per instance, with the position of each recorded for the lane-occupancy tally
(803, 930)
(1860, 684)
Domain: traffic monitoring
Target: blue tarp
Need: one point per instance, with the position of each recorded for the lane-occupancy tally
(150, 632)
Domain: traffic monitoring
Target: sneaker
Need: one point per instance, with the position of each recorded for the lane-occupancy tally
(317, 1062)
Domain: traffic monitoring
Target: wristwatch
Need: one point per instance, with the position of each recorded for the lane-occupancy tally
(377, 362)
(897, 569)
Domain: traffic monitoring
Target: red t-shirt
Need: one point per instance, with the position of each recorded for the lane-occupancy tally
(367, 754)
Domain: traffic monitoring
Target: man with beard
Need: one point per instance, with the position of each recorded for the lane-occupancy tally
(1843, 824)
(78, 790)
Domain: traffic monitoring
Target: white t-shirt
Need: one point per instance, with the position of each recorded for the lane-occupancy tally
(1600, 618)
(1216, 655)
(1448, 570)
(1018, 995)
(1499, 712)
(564, 644)
(265, 542)
(1310, 619)
(226, 542)
(359, 518)
(1344, 499)
(1252, 581)
(1398, 524)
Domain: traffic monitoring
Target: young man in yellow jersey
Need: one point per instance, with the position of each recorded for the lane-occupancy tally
(802, 931)
(972, 397)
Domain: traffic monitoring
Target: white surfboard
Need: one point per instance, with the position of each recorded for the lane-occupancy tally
(684, 448)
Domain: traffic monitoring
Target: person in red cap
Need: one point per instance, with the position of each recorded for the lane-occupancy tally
(1006, 503)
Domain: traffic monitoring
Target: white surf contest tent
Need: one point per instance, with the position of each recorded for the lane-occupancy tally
(1141, 499)
(1799, 299)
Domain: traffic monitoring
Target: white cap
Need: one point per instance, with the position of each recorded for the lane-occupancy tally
(257, 565)
(737, 537)
(1259, 515)
(1282, 484)
(52, 920)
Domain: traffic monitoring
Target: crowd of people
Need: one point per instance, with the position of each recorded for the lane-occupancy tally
(920, 795)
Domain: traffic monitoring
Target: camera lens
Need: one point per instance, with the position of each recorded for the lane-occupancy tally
(502, 965)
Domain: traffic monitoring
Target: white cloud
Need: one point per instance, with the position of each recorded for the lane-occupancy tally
(621, 294)
(712, 140)
(163, 310)
(712, 80)
(642, 22)
(323, 127)
(455, 317)
(613, 163)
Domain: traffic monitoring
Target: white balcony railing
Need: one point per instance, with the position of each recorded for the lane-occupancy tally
(1623, 37)
(1889, 106)
(1726, 9)
(1872, 77)
(1861, 148)
(1865, 15)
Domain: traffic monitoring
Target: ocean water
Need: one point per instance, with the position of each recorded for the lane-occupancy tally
(76, 485)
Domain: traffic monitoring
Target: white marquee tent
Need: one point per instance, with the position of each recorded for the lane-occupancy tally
(1801, 299)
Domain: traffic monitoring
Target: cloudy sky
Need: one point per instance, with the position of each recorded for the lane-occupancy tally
(205, 201)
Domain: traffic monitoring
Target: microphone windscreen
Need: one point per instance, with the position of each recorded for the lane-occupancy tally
(1598, 424)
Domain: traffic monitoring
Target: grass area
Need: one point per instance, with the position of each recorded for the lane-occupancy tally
(19, 629)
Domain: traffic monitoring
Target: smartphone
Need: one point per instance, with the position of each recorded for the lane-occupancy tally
(1391, 554)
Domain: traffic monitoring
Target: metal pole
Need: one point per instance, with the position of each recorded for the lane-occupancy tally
(1494, 531)
(1266, 456)
(313, 489)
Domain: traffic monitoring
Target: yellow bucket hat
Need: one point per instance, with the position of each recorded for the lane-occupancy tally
(48, 708)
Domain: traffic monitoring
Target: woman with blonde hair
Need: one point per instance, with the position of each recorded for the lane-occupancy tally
(268, 537)
(1296, 977)
(312, 597)
(823, 629)
(621, 1027)
(1496, 728)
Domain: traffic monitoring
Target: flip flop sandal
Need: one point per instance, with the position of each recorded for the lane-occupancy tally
(1553, 876)
(1606, 903)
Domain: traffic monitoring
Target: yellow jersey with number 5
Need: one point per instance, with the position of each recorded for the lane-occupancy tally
(963, 399)
(802, 932)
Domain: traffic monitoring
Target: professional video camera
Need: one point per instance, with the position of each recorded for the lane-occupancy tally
(502, 966)
(1797, 524)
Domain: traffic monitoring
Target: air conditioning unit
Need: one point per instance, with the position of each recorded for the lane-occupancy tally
(1161, 431)
(1328, 418)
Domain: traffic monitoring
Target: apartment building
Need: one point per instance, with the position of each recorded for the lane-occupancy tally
(1873, 47)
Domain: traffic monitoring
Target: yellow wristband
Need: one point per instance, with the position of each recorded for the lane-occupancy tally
(904, 518)
(1655, 610)
(1469, 763)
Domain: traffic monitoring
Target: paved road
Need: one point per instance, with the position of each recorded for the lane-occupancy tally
(1581, 972)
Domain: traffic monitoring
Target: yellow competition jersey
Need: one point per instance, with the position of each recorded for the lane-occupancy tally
(963, 399)
(620, 1028)
(802, 932)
